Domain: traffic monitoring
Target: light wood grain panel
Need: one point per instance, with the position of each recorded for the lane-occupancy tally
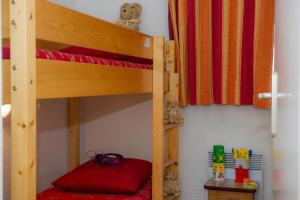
(174, 77)
(170, 56)
(212, 195)
(58, 79)
(224, 195)
(173, 96)
(173, 144)
(170, 126)
(173, 133)
(62, 25)
(52, 46)
(74, 132)
(158, 122)
(173, 197)
(169, 163)
(5, 19)
(6, 81)
(23, 100)
(58, 24)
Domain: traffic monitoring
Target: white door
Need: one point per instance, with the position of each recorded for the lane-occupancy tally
(285, 127)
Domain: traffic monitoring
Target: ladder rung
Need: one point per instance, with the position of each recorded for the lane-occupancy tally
(171, 197)
(169, 163)
(171, 126)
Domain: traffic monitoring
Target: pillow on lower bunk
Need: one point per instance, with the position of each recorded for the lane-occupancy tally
(93, 178)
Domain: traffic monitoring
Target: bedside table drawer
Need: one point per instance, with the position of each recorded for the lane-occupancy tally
(223, 195)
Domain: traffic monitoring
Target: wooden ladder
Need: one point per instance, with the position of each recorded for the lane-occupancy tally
(171, 132)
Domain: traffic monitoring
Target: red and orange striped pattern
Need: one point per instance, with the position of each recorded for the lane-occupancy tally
(224, 50)
(80, 57)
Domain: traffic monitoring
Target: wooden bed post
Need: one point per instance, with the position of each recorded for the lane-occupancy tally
(158, 122)
(74, 132)
(173, 96)
(23, 99)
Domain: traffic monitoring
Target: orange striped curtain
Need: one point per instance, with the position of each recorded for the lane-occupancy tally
(224, 50)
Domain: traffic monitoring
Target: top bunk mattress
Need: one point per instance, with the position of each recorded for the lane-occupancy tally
(81, 55)
(145, 193)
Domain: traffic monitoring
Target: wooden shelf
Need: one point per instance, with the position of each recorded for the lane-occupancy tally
(171, 126)
(169, 163)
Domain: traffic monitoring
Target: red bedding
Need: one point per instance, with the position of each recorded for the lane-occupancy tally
(143, 194)
(82, 58)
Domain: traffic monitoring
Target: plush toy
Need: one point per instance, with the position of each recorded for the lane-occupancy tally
(130, 16)
(171, 183)
(173, 114)
(125, 11)
(136, 10)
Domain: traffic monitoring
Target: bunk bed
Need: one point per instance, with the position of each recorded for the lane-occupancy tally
(34, 30)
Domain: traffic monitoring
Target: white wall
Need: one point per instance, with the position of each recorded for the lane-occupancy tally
(123, 124)
(154, 15)
(52, 144)
(228, 125)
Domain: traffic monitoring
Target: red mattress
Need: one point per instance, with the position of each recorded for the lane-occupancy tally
(79, 55)
(145, 193)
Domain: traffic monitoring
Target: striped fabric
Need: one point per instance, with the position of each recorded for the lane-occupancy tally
(224, 50)
(82, 58)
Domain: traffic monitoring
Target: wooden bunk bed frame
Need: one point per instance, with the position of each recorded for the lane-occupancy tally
(33, 24)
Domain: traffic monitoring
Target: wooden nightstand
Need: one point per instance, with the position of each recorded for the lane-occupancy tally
(228, 190)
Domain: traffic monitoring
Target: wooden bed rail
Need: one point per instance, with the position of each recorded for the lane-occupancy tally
(158, 120)
(57, 79)
(61, 25)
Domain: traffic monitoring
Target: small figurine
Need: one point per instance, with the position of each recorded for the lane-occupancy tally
(218, 164)
(171, 183)
(242, 164)
(173, 114)
(130, 16)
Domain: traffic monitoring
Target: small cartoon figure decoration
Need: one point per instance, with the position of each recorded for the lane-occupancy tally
(218, 164)
(171, 183)
(173, 114)
(130, 16)
(242, 164)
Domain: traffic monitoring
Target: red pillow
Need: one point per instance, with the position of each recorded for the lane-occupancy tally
(93, 178)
